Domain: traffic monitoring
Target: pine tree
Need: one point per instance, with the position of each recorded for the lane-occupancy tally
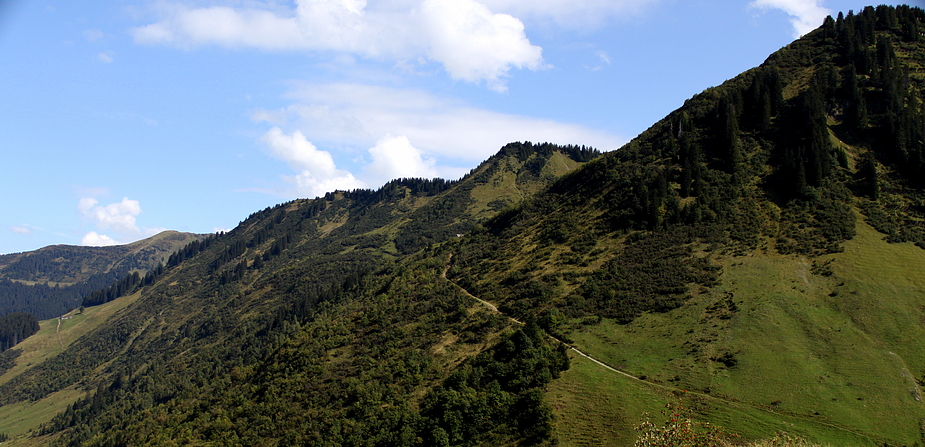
(869, 176)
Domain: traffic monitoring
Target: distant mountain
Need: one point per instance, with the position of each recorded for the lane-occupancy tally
(51, 281)
(752, 262)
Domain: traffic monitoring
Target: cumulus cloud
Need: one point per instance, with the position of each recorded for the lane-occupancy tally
(118, 219)
(805, 15)
(94, 239)
(475, 44)
(119, 216)
(317, 173)
(360, 115)
(404, 132)
(470, 41)
(395, 157)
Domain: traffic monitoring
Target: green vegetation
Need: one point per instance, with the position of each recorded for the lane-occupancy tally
(54, 280)
(754, 253)
(15, 328)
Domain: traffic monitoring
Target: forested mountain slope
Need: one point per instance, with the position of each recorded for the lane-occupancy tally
(51, 281)
(757, 254)
(349, 286)
(730, 250)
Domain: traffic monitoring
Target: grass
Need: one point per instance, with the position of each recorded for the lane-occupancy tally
(48, 341)
(503, 186)
(18, 419)
(595, 406)
(830, 352)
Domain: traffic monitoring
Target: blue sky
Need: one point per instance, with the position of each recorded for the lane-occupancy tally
(119, 119)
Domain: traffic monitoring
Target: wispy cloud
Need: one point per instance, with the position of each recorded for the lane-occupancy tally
(359, 115)
(93, 35)
(577, 14)
(23, 229)
(130, 117)
(105, 57)
(394, 132)
(806, 15)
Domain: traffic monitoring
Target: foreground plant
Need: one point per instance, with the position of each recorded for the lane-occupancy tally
(680, 430)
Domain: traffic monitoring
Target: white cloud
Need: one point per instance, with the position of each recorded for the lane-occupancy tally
(317, 173)
(408, 133)
(223, 26)
(24, 230)
(395, 157)
(472, 43)
(806, 15)
(360, 115)
(94, 239)
(119, 216)
(105, 57)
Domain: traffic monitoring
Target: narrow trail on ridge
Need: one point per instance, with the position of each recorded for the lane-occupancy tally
(573, 348)
(58, 333)
(673, 390)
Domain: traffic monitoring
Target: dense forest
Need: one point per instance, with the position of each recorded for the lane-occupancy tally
(46, 301)
(15, 327)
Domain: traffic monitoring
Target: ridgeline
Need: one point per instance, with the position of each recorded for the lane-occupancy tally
(756, 253)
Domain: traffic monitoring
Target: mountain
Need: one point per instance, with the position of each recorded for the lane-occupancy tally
(752, 261)
(240, 297)
(53, 280)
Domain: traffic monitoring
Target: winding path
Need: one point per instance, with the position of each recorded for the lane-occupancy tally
(58, 333)
(494, 308)
(729, 402)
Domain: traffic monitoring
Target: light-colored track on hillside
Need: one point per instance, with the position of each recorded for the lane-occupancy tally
(729, 402)
(494, 308)
(58, 333)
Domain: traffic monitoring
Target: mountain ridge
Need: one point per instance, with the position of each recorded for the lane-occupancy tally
(751, 254)
(53, 280)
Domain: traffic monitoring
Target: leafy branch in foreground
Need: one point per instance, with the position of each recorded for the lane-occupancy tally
(681, 430)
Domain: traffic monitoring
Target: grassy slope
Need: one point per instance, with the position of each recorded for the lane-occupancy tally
(822, 352)
(503, 186)
(18, 419)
